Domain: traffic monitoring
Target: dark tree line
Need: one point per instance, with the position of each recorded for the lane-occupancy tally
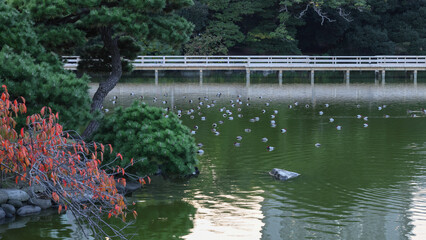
(342, 27)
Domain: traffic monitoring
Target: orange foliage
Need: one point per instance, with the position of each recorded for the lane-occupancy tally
(44, 154)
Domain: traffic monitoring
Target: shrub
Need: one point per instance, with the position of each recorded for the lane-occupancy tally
(151, 138)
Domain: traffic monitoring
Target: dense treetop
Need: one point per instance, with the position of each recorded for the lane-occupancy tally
(346, 27)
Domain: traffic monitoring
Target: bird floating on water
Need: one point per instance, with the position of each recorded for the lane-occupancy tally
(321, 113)
(270, 148)
(317, 144)
(338, 127)
(331, 120)
(264, 139)
(283, 130)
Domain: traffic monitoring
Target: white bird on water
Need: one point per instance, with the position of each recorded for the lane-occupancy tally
(331, 120)
(317, 144)
(270, 148)
(283, 130)
(338, 127)
(321, 113)
(264, 139)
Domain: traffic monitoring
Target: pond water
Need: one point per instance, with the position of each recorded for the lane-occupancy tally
(362, 182)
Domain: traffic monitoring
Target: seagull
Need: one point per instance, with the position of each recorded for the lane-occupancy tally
(214, 125)
(379, 108)
(252, 120)
(203, 118)
(196, 127)
(338, 127)
(200, 151)
(237, 144)
(231, 118)
(275, 111)
(263, 111)
(240, 115)
(317, 144)
(358, 116)
(199, 144)
(216, 133)
(264, 139)
(247, 130)
(365, 125)
(239, 138)
(365, 118)
(331, 120)
(326, 105)
(257, 119)
(193, 132)
(283, 130)
(272, 116)
(321, 113)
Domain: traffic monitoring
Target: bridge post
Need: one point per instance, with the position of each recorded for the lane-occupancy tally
(280, 77)
(156, 77)
(376, 77)
(312, 77)
(247, 77)
(383, 77)
(347, 77)
(415, 77)
(201, 77)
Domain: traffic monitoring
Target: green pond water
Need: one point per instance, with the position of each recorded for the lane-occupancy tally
(361, 183)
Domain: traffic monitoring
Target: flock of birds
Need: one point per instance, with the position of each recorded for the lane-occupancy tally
(235, 106)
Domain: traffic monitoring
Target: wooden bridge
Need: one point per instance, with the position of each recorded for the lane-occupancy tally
(275, 63)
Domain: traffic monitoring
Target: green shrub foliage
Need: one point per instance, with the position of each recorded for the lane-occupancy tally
(154, 139)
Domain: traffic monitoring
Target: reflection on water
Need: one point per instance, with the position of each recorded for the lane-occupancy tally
(363, 182)
(227, 216)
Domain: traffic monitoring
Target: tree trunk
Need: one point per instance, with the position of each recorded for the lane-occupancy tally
(111, 44)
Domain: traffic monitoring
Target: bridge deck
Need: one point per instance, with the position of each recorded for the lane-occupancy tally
(253, 63)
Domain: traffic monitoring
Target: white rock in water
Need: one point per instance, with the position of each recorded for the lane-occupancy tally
(283, 175)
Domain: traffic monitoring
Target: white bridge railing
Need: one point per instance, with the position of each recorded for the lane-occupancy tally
(268, 62)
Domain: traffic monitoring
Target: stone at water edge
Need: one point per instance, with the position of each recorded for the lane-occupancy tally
(2, 213)
(42, 203)
(15, 194)
(28, 210)
(3, 196)
(283, 175)
(15, 203)
(9, 210)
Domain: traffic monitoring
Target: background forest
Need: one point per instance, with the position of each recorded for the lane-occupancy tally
(337, 27)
